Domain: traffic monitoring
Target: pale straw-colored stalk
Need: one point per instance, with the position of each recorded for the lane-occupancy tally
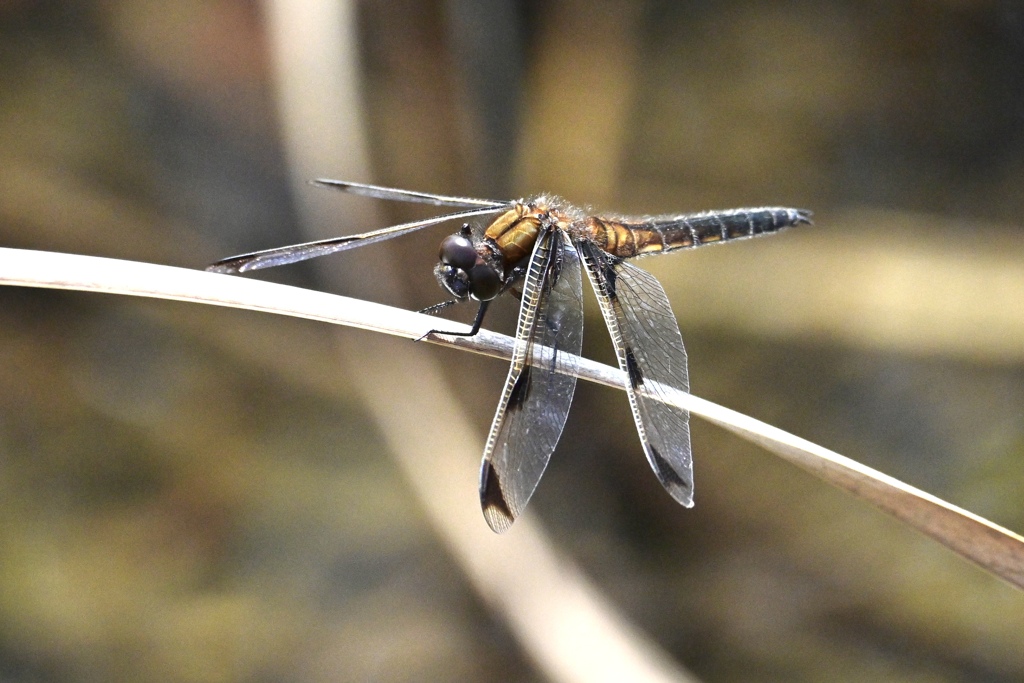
(995, 549)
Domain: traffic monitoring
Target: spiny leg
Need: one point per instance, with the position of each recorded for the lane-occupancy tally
(477, 322)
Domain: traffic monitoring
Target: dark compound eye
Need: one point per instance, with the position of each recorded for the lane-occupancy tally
(485, 282)
(458, 251)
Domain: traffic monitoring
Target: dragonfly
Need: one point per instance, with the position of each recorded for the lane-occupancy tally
(537, 249)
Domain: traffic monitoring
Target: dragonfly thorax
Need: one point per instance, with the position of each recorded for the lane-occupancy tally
(481, 267)
(514, 233)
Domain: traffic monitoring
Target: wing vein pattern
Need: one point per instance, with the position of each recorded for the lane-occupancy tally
(650, 351)
(395, 194)
(542, 377)
(271, 258)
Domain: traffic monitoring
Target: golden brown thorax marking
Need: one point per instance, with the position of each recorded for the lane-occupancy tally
(516, 231)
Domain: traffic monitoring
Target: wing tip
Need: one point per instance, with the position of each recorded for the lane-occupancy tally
(495, 507)
(328, 182)
(235, 265)
(679, 484)
(681, 494)
(227, 267)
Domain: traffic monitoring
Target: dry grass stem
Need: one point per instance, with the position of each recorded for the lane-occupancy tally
(995, 549)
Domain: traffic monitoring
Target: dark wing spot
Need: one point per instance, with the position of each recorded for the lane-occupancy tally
(670, 477)
(496, 510)
(521, 390)
(610, 277)
(554, 268)
(636, 375)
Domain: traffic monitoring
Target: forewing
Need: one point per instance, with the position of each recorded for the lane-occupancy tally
(650, 351)
(280, 256)
(395, 194)
(538, 392)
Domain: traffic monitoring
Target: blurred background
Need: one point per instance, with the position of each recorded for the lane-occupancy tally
(199, 494)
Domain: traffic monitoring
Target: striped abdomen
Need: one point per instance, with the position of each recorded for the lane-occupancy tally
(626, 238)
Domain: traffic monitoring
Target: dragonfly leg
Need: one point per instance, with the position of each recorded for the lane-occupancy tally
(477, 322)
(432, 310)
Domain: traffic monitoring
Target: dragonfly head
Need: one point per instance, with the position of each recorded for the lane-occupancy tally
(464, 272)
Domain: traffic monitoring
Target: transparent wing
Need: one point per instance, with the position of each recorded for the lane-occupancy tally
(404, 195)
(280, 256)
(538, 392)
(650, 351)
